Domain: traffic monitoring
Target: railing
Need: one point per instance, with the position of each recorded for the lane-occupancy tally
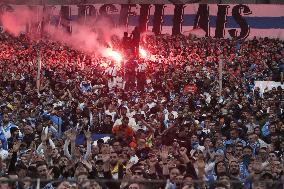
(146, 183)
(76, 2)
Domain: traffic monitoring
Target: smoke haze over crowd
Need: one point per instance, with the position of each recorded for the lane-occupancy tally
(89, 37)
(16, 21)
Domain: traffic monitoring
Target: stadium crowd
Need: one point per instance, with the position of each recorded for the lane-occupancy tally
(160, 118)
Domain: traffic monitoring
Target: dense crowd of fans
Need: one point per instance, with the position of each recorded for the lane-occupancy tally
(122, 125)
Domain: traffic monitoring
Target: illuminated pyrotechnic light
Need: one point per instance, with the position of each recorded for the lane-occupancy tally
(110, 45)
(143, 53)
(104, 64)
(153, 58)
(114, 55)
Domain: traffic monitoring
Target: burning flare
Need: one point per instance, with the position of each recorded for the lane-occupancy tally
(114, 55)
(143, 53)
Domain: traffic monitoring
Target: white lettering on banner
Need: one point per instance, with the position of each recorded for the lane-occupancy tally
(231, 20)
(267, 85)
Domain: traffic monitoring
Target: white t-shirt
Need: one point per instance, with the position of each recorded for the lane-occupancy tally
(166, 112)
(119, 82)
(132, 123)
(151, 105)
(4, 154)
(111, 71)
(141, 67)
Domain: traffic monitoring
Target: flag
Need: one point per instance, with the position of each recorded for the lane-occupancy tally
(38, 74)
(238, 47)
(190, 88)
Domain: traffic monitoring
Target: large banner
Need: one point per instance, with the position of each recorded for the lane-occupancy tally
(267, 85)
(220, 21)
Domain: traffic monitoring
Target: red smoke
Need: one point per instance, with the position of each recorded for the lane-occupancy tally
(87, 38)
(16, 22)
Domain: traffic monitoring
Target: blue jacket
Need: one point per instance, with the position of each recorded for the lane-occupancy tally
(3, 139)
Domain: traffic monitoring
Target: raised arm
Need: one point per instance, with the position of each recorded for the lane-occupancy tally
(66, 144)
(183, 153)
(73, 136)
(164, 155)
(201, 170)
(148, 126)
(88, 136)
(66, 150)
